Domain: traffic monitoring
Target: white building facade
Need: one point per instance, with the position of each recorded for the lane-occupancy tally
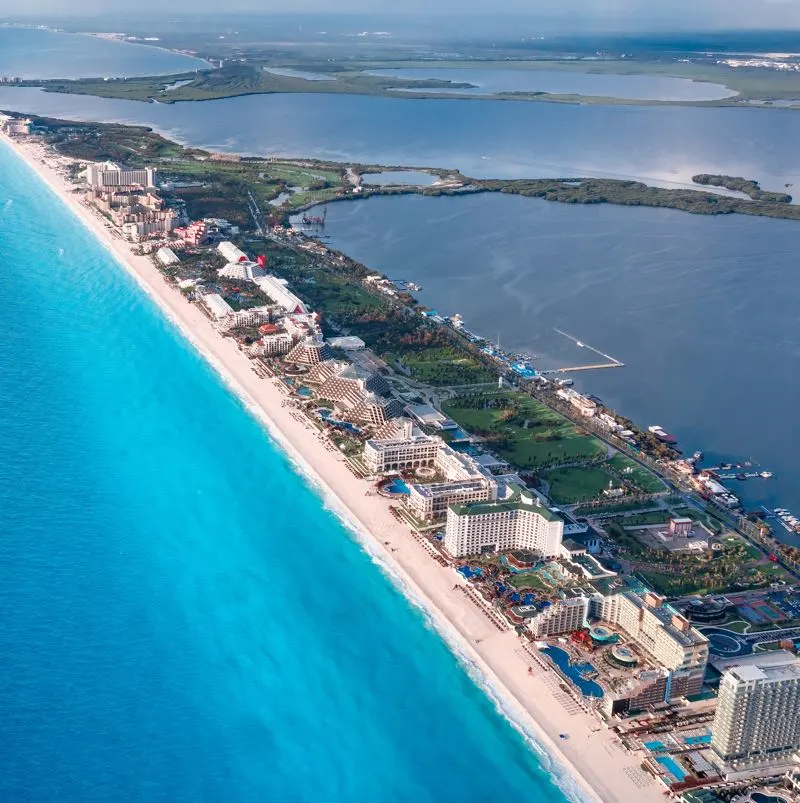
(758, 710)
(401, 454)
(498, 526)
(107, 174)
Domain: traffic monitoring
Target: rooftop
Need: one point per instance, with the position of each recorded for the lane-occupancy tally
(516, 502)
(447, 488)
(767, 666)
(665, 614)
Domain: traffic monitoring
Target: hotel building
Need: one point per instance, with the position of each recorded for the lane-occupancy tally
(244, 271)
(663, 633)
(277, 289)
(406, 452)
(309, 351)
(100, 175)
(431, 502)
(676, 654)
(757, 721)
(273, 345)
(231, 253)
(564, 616)
(517, 522)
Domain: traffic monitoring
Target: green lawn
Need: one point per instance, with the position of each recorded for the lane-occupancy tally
(571, 485)
(522, 430)
(620, 507)
(532, 581)
(335, 297)
(444, 365)
(644, 480)
(738, 626)
(653, 517)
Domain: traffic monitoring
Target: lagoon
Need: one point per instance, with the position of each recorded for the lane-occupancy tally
(554, 82)
(483, 138)
(703, 311)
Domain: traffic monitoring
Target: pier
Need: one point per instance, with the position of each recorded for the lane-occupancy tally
(612, 362)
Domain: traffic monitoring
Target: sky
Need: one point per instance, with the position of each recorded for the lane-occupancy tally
(650, 15)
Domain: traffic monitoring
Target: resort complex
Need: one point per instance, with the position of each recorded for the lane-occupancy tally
(627, 600)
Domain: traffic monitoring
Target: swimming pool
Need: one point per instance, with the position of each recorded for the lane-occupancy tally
(397, 486)
(705, 739)
(575, 672)
(468, 572)
(655, 747)
(672, 767)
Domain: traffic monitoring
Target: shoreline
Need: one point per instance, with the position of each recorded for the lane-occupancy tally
(594, 766)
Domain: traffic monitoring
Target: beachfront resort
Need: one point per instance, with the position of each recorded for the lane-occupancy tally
(642, 606)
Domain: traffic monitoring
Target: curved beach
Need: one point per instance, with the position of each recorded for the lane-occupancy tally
(590, 765)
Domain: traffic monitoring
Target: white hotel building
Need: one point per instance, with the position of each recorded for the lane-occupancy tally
(107, 174)
(663, 633)
(518, 522)
(405, 452)
(757, 721)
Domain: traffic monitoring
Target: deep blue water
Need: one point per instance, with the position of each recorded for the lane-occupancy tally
(33, 53)
(182, 619)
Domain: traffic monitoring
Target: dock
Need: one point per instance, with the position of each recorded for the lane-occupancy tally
(611, 362)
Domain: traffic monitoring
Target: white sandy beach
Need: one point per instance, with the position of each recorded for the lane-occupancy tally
(590, 764)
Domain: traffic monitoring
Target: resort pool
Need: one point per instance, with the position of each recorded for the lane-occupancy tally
(655, 747)
(327, 416)
(672, 767)
(575, 672)
(705, 739)
(468, 572)
(305, 392)
(466, 448)
(397, 486)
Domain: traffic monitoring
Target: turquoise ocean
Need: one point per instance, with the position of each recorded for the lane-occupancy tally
(183, 619)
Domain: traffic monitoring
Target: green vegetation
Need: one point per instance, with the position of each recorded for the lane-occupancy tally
(441, 366)
(235, 80)
(528, 580)
(135, 146)
(738, 626)
(634, 193)
(610, 508)
(739, 184)
(346, 72)
(680, 573)
(522, 430)
(223, 183)
(566, 486)
(638, 476)
(652, 517)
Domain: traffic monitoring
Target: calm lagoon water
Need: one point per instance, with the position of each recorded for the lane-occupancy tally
(703, 311)
(34, 54)
(555, 82)
(508, 139)
(183, 620)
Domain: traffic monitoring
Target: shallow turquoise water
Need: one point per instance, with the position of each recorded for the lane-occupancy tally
(182, 620)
